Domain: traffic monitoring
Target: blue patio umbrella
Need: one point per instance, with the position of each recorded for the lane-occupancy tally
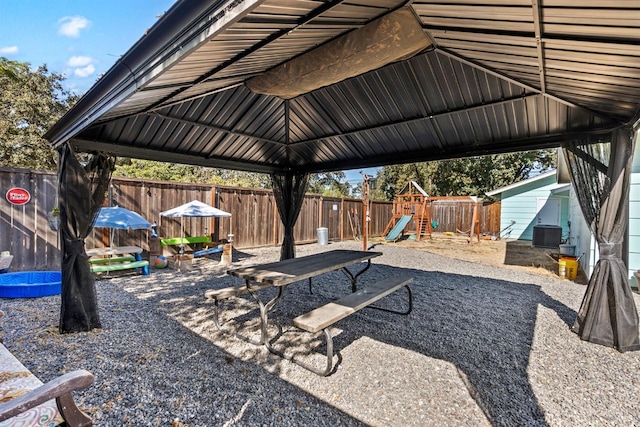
(117, 217)
(121, 218)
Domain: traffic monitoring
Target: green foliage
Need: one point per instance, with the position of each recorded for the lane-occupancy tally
(463, 177)
(30, 103)
(330, 184)
(146, 169)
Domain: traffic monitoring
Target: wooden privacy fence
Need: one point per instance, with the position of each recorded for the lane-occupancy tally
(24, 230)
(456, 216)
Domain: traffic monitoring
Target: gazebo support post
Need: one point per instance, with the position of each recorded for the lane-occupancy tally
(81, 192)
(608, 313)
(289, 189)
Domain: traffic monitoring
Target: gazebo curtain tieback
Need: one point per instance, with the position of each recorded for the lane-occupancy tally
(74, 246)
(610, 251)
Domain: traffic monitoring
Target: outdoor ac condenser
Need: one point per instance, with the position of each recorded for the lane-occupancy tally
(546, 236)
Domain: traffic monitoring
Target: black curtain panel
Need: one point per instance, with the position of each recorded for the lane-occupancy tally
(600, 172)
(288, 190)
(82, 191)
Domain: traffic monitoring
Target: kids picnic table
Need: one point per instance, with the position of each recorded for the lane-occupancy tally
(117, 258)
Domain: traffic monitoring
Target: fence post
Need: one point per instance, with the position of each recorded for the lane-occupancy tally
(320, 210)
(276, 218)
(342, 219)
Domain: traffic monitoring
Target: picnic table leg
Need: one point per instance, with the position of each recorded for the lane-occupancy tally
(354, 278)
(397, 311)
(216, 322)
(264, 311)
(328, 368)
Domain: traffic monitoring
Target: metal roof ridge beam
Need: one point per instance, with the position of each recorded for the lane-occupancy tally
(539, 44)
(194, 97)
(214, 127)
(275, 36)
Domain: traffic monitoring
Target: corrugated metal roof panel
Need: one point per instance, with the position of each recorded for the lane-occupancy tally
(500, 76)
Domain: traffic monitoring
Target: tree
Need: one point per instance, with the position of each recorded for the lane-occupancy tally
(30, 103)
(472, 176)
(330, 184)
(146, 169)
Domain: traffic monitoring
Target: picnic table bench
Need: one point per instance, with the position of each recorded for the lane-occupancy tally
(116, 259)
(26, 401)
(321, 318)
(281, 274)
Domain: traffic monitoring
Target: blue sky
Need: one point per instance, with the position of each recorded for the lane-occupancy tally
(81, 39)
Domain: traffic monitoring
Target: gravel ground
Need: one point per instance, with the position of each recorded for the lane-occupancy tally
(483, 346)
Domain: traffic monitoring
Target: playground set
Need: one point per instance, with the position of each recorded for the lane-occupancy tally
(412, 214)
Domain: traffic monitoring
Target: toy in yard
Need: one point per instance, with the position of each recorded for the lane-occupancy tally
(398, 228)
(30, 284)
(505, 232)
(115, 217)
(160, 262)
(5, 261)
(411, 208)
(193, 209)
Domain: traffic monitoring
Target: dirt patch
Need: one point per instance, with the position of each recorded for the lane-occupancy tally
(513, 254)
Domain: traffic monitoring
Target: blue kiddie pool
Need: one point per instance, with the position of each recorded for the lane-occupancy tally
(30, 284)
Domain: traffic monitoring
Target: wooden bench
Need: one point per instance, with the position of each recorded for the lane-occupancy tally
(26, 401)
(323, 317)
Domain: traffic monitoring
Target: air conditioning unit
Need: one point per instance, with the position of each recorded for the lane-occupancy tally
(546, 236)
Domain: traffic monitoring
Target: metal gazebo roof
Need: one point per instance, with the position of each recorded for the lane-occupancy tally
(493, 77)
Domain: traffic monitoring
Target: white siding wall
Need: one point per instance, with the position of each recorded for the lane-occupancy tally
(581, 235)
(520, 205)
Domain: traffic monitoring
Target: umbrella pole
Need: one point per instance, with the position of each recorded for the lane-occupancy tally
(182, 241)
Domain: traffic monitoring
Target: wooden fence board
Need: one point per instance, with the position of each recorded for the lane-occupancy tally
(24, 229)
(25, 232)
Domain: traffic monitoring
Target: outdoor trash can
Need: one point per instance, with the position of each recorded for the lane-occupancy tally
(323, 236)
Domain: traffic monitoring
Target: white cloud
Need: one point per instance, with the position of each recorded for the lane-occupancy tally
(79, 61)
(85, 71)
(8, 50)
(70, 26)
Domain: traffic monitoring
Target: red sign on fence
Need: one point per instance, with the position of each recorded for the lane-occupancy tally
(18, 196)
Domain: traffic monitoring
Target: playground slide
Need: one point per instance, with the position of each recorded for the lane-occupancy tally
(399, 227)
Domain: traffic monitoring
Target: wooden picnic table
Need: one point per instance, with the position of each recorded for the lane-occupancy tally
(282, 273)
